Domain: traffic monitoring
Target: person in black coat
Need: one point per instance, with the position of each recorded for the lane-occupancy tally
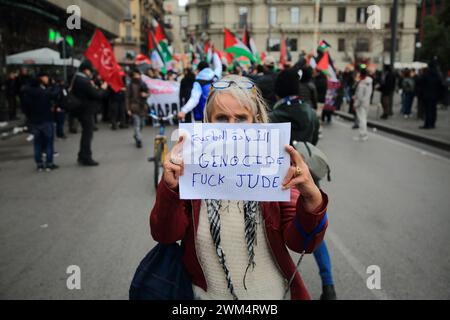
(387, 88)
(90, 96)
(11, 96)
(266, 82)
(432, 84)
(320, 81)
(185, 89)
(37, 102)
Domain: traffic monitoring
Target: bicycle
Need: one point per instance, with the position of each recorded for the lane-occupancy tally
(160, 146)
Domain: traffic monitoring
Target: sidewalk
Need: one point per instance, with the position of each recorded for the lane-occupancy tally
(10, 128)
(408, 128)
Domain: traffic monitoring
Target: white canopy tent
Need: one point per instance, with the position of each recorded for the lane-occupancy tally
(44, 56)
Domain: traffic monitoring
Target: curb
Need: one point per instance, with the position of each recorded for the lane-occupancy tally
(438, 143)
(8, 130)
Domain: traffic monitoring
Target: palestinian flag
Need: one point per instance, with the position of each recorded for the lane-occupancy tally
(158, 42)
(236, 46)
(323, 46)
(250, 43)
(323, 61)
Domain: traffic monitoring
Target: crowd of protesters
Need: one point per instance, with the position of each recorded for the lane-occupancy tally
(299, 93)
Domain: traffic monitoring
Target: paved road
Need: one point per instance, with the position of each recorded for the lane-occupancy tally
(389, 207)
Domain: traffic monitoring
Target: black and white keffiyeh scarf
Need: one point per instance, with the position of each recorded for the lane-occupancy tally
(250, 217)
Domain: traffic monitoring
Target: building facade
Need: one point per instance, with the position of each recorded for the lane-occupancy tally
(133, 30)
(342, 23)
(176, 20)
(29, 24)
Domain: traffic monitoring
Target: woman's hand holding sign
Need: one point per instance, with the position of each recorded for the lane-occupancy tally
(299, 176)
(174, 165)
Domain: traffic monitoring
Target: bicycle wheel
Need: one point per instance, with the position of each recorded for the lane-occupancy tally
(158, 164)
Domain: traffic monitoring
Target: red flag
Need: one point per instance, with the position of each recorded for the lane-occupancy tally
(101, 55)
(263, 56)
(283, 53)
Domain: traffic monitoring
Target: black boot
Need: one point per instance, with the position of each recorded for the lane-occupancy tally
(328, 293)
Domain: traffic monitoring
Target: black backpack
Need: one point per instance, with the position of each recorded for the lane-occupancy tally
(70, 102)
(161, 276)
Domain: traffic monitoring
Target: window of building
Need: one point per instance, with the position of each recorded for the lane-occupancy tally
(273, 44)
(387, 45)
(128, 32)
(292, 44)
(341, 44)
(273, 16)
(361, 15)
(362, 45)
(295, 15)
(341, 14)
(320, 14)
(243, 13)
(184, 22)
(205, 17)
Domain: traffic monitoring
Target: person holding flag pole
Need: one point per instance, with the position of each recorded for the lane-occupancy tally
(202, 85)
(101, 57)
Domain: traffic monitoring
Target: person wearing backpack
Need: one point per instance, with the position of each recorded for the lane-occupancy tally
(408, 89)
(304, 128)
(200, 91)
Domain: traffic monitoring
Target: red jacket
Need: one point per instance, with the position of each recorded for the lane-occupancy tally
(173, 219)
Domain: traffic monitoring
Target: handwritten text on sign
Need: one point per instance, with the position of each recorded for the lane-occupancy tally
(235, 161)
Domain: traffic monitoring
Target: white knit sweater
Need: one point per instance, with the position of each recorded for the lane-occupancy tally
(264, 282)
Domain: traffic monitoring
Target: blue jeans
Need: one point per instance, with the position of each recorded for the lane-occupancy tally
(138, 124)
(60, 118)
(43, 142)
(324, 263)
(407, 101)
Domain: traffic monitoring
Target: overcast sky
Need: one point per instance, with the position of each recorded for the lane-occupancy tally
(182, 2)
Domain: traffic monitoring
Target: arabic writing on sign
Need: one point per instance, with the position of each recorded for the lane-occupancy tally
(247, 135)
(235, 161)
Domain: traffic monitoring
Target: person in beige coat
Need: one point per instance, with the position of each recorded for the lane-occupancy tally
(362, 102)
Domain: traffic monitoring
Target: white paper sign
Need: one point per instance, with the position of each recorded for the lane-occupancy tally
(235, 161)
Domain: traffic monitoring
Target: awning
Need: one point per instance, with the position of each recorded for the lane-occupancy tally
(44, 56)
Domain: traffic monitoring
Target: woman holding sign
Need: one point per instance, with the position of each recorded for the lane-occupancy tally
(239, 249)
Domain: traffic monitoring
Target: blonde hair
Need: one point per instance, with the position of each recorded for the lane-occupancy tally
(251, 100)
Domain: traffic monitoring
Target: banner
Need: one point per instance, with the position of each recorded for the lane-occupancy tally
(164, 96)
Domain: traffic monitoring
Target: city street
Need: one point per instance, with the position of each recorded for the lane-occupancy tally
(389, 207)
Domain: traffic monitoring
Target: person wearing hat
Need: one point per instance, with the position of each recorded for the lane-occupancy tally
(37, 101)
(201, 88)
(266, 82)
(89, 95)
